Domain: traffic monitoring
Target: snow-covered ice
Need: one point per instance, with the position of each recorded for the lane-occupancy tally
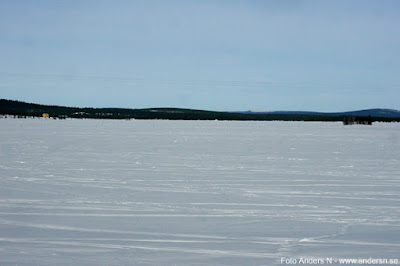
(196, 192)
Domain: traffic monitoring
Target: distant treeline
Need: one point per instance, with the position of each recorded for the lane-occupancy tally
(22, 109)
(351, 120)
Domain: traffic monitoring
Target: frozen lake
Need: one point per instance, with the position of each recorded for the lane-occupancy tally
(196, 192)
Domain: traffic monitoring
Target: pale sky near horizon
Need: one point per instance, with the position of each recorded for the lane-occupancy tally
(216, 55)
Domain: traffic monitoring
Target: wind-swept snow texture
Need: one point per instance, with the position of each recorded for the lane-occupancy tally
(196, 192)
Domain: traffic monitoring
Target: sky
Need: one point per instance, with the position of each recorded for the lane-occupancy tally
(216, 55)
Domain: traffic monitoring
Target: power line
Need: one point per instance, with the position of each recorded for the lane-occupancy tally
(194, 82)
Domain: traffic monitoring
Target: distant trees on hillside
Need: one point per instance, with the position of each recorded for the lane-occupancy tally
(22, 109)
(351, 120)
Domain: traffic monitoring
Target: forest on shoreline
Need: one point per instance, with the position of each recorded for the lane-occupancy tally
(22, 109)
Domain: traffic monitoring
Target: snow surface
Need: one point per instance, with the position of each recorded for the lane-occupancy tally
(196, 192)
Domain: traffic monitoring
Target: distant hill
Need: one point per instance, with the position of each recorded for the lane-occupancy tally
(23, 109)
(369, 112)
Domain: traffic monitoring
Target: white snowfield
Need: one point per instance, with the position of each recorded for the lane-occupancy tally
(89, 192)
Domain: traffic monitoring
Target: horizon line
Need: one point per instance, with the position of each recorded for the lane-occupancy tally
(254, 111)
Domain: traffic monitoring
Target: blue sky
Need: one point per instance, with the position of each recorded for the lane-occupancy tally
(216, 55)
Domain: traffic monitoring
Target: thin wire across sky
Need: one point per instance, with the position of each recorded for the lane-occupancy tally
(205, 82)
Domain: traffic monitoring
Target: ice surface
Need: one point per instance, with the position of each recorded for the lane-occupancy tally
(196, 192)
